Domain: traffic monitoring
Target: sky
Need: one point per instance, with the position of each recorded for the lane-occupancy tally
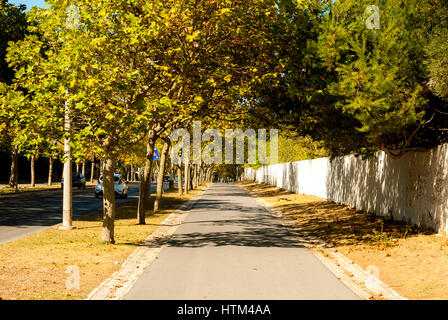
(29, 3)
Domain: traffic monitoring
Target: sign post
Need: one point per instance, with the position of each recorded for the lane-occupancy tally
(156, 154)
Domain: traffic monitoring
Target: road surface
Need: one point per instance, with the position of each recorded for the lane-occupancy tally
(25, 213)
(230, 247)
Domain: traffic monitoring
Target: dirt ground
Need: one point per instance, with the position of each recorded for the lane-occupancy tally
(414, 262)
(35, 267)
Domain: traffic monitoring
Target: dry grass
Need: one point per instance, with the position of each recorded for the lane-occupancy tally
(34, 267)
(412, 261)
(8, 190)
(56, 185)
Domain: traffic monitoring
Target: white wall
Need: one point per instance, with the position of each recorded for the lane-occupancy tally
(413, 188)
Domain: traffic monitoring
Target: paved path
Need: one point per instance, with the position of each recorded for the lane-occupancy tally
(230, 247)
(24, 213)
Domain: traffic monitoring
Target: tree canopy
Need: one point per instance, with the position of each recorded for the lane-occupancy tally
(123, 71)
(360, 89)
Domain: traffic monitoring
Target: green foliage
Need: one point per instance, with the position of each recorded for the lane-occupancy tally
(132, 64)
(293, 148)
(11, 104)
(309, 65)
(354, 88)
(437, 48)
(12, 28)
(80, 67)
(228, 171)
(379, 80)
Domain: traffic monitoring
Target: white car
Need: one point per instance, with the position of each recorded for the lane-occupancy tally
(120, 186)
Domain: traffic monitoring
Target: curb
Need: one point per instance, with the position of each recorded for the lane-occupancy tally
(363, 283)
(119, 283)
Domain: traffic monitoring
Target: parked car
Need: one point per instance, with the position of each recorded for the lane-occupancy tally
(120, 186)
(78, 180)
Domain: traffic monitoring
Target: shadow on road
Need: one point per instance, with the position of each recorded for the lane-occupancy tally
(240, 223)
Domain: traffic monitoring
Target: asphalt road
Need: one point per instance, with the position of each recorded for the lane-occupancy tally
(25, 213)
(229, 247)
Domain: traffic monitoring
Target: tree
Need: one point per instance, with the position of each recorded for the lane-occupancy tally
(208, 59)
(379, 81)
(437, 48)
(105, 93)
(145, 179)
(354, 88)
(13, 26)
(11, 102)
(294, 148)
(161, 173)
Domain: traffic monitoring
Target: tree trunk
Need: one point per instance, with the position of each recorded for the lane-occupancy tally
(187, 177)
(202, 175)
(197, 176)
(209, 175)
(193, 178)
(14, 176)
(132, 171)
(145, 180)
(171, 179)
(33, 173)
(190, 178)
(77, 167)
(67, 191)
(108, 199)
(92, 170)
(50, 170)
(83, 169)
(179, 179)
(160, 176)
(101, 167)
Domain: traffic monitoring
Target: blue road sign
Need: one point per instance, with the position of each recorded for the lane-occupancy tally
(156, 154)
